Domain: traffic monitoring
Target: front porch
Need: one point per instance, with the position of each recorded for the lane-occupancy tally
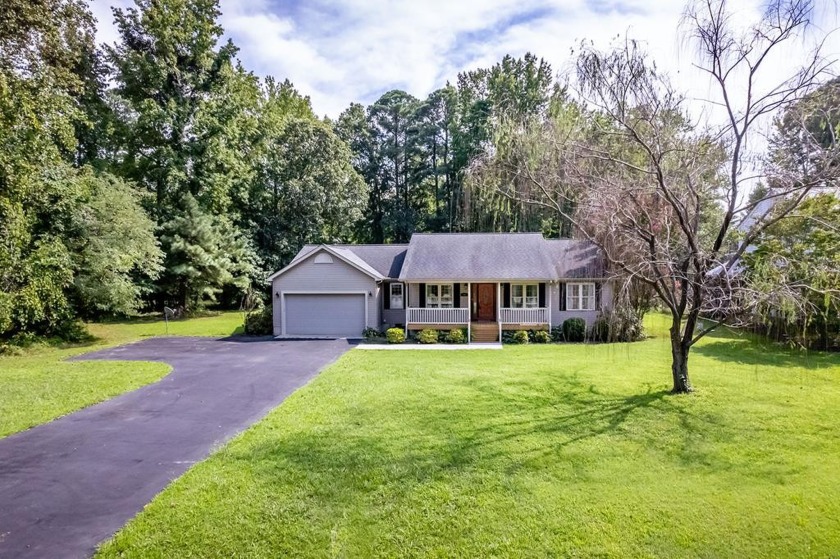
(483, 308)
(420, 318)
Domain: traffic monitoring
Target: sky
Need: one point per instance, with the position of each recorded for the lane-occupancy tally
(342, 51)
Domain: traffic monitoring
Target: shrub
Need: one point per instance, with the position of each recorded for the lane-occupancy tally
(73, 331)
(557, 334)
(371, 333)
(456, 336)
(574, 329)
(395, 335)
(428, 336)
(507, 337)
(259, 322)
(520, 337)
(541, 337)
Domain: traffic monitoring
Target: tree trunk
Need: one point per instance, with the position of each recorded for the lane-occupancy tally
(679, 360)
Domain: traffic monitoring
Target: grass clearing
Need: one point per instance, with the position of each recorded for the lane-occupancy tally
(39, 385)
(565, 450)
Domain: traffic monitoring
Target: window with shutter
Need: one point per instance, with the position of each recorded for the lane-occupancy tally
(439, 296)
(524, 296)
(580, 296)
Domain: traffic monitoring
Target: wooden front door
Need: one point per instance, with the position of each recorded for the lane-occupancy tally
(484, 295)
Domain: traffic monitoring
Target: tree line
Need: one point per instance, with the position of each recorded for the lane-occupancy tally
(159, 171)
(153, 171)
(416, 154)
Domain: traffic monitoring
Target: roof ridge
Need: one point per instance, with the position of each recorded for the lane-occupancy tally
(371, 244)
(453, 233)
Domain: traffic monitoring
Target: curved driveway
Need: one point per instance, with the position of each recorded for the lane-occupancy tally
(70, 484)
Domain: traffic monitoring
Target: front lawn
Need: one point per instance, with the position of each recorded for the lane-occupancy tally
(39, 385)
(566, 450)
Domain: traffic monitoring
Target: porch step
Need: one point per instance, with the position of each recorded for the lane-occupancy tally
(485, 332)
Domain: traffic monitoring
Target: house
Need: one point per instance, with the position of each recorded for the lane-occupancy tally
(483, 282)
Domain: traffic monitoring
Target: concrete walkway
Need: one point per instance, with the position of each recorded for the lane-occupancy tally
(70, 484)
(429, 347)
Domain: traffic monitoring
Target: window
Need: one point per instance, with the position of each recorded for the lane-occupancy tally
(439, 296)
(580, 296)
(524, 296)
(323, 258)
(396, 296)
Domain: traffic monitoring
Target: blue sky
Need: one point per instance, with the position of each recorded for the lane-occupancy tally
(341, 51)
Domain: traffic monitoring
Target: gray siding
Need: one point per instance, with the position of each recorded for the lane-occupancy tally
(390, 317)
(464, 299)
(558, 316)
(413, 294)
(337, 277)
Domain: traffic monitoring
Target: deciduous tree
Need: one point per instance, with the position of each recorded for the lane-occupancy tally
(660, 194)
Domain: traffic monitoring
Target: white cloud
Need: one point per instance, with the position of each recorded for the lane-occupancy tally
(355, 50)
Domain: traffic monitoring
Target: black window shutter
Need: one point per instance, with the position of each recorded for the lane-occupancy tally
(562, 296)
(422, 295)
(598, 296)
(386, 299)
(542, 295)
(456, 295)
(505, 295)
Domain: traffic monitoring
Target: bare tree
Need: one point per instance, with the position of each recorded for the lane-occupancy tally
(666, 199)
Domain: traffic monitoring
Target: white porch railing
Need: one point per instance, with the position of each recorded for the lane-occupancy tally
(438, 316)
(524, 316)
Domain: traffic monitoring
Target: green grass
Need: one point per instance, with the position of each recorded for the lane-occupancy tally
(569, 450)
(38, 385)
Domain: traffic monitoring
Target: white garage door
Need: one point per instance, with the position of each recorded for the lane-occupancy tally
(325, 315)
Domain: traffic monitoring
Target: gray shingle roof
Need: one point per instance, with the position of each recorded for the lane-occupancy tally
(476, 256)
(384, 259)
(576, 259)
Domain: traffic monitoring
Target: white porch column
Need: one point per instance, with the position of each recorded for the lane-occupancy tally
(499, 308)
(550, 286)
(469, 309)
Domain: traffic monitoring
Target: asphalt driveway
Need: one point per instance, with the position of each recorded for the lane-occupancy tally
(70, 484)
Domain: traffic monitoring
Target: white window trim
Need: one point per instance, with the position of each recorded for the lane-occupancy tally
(528, 302)
(401, 296)
(435, 301)
(578, 302)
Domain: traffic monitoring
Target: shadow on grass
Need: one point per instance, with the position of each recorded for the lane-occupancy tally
(495, 433)
(733, 349)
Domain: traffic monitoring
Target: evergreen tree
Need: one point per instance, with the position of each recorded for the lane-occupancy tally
(202, 255)
(185, 109)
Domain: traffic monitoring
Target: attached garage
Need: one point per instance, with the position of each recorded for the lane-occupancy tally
(325, 292)
(340, 315)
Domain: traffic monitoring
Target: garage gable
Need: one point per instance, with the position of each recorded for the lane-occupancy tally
(327, 255)
(323, 295)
